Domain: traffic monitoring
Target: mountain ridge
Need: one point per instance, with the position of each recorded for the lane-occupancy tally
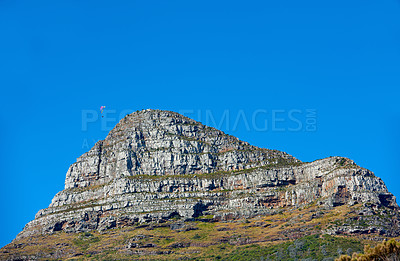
(157, 166)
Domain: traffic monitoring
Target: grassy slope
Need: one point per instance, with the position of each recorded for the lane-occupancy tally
(286, 236)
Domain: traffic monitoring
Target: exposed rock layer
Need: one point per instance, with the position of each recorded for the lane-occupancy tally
(155, 165)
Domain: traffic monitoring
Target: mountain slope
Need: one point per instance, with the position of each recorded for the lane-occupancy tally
(158, 167)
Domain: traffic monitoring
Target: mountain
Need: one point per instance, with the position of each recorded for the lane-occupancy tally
(164, 186)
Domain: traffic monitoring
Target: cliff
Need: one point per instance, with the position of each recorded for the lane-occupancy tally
(157, 166)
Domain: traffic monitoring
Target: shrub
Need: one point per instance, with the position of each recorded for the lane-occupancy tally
(197, 236)
(386, 251)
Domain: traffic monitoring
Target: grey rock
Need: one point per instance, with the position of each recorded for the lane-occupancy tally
(158, 165)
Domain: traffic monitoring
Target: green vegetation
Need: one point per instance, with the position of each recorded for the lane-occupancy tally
(386, 251)
(280, 236)
(197, 236)
(206, 217)
(314, 246)
(84, 240)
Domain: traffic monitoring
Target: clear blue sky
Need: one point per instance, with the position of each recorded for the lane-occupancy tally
(59, 59)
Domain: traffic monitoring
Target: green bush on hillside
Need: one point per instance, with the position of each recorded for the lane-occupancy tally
(386, 251)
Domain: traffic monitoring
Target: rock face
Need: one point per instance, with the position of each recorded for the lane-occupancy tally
(156, 165)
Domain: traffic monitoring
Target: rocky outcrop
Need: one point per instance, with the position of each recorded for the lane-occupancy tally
(165, 143)
(157, 165)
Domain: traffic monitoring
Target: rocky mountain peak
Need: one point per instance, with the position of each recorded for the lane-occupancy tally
(156, 166)
(155, 142)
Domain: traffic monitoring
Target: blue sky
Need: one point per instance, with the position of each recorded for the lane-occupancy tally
(268, 60)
